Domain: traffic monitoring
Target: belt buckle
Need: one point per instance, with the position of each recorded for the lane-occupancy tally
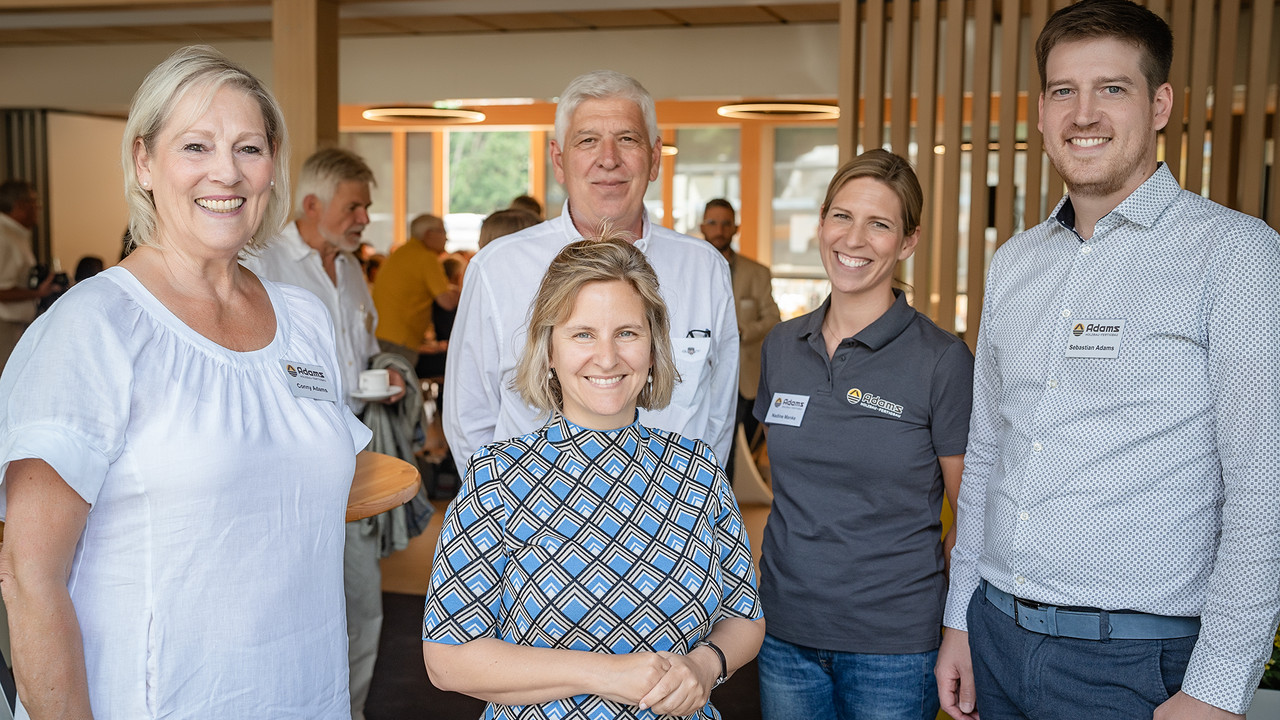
(1018, 606)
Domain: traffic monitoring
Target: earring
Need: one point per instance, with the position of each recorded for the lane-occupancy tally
(551, 374)
(650, 381)
(145, 184)
(273, 183)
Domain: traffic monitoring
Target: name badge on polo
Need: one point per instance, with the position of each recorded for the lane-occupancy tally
(786, 409)
(309, 381)
(1097, 338)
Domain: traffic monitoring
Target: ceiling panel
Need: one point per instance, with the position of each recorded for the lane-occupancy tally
(724, 15)
(144, 21)
(623, 18)
(433, 24)
(814, 12)
(363, 27)
(533, 21)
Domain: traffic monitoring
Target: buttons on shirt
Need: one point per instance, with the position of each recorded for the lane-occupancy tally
(1037, 447)
(1066, 313)
(1085, 249)
(1052, 383)
(1020, 580)
(1024, 516)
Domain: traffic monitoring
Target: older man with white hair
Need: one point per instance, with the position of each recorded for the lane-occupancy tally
(606, 151)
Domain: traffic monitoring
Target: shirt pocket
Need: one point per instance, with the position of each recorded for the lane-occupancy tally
(693, 361)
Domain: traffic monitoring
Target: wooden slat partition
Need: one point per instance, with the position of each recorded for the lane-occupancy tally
(1007, 123)
(900, 107)
(979, 79)
(980, 133)
(873, 76)
(848, 83)
(1174, 133)
(1035, 143)
(926, 161)
(1253, 133)
(1220, 176)
(952, 90)
(1273, 206)
(1197, 119)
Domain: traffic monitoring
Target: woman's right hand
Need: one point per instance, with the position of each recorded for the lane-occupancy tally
(628, 678)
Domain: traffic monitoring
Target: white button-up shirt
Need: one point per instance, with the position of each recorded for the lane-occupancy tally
(489, 336)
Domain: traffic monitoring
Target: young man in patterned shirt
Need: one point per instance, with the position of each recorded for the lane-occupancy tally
(1118, 542)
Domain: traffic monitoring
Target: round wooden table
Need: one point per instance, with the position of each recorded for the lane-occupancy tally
(381, 483)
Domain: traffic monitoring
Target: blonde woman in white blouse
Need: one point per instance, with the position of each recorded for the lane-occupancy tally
(175, 449)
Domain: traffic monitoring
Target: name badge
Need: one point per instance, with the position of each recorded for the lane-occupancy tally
(309, 381)
(786, 409)
(1095, 339)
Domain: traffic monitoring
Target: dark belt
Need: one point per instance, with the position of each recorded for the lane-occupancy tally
(1087, 623)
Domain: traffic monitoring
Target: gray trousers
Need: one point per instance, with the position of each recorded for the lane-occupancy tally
(362, 578)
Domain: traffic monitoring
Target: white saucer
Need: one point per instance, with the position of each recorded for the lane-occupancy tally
(375, 395)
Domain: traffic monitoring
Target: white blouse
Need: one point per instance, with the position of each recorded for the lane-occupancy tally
(208, 579)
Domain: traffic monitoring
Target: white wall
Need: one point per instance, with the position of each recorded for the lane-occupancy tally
(798, 60)
(86, 189)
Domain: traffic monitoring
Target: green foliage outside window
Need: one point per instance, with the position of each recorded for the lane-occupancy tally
(487, 170)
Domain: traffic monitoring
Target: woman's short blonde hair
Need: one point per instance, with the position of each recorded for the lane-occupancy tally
(200, 69)
(606, 259)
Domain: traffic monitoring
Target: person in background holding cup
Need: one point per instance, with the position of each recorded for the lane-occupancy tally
(198, 412)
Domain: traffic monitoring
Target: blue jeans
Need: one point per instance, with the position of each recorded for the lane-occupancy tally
(801, 683)
(1019, 674)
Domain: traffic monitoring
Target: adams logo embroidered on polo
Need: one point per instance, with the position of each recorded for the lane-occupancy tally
(873, 402)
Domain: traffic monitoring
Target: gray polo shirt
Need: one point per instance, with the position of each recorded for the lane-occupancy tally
(852, 556)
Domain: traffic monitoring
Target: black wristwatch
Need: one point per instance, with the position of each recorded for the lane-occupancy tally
(724, 666)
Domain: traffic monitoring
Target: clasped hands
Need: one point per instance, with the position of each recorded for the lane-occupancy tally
(665, 682)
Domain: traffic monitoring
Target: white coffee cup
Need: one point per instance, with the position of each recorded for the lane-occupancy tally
(374, 382)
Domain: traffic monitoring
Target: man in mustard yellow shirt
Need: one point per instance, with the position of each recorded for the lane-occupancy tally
(410, 280)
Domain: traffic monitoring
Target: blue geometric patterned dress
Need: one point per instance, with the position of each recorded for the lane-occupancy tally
(613, 541)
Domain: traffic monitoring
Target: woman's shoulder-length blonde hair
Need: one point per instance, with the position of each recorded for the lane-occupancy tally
(200, 69)
(608, 258)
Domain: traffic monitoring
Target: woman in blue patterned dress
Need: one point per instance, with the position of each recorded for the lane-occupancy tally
(596, 568)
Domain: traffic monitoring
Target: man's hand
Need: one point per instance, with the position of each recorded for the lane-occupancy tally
(449, 298)
(1184, 707)
(46, 288)
(397, 381)
(954, 673)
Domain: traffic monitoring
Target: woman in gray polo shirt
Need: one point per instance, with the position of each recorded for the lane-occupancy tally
(867, 404)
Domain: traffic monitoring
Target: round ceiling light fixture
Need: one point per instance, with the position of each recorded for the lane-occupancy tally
(779, 111)
(424, 115)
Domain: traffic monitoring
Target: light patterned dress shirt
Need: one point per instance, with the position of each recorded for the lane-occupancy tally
(1147, 476)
